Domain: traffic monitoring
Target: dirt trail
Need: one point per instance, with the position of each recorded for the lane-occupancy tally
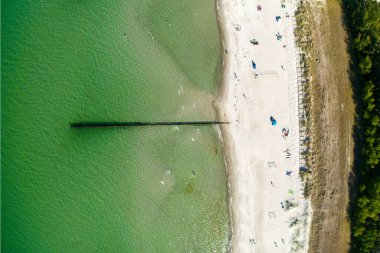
(332, 118)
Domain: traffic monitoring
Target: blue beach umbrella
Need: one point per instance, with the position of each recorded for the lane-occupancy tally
(273, 121)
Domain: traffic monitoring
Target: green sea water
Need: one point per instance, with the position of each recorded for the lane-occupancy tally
(153, 189)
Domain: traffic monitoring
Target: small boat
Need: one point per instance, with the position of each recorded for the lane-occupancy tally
(253, 65)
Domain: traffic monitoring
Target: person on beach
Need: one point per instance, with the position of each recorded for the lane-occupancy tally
(285, 132)
(254, 42)
(287, 152)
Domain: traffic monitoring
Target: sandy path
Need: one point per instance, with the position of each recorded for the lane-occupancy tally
(257, 152)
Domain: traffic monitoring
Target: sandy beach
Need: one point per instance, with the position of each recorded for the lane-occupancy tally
(268, 210)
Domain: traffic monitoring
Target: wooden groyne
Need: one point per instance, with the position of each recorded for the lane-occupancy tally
(139, 124)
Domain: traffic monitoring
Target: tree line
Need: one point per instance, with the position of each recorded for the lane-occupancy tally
(363, 21)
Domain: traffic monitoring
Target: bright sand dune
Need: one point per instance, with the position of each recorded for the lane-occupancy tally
(257, 152)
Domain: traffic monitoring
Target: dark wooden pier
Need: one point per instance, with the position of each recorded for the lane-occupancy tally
(139, 124)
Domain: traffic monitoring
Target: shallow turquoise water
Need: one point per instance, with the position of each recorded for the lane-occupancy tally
(110, 190)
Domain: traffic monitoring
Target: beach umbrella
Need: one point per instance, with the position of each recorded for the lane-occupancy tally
(273, 121)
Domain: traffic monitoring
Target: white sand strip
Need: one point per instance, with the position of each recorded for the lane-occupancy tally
(258, 154)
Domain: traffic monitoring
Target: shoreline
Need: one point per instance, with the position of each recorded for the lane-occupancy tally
(247, 235)
(226, 138)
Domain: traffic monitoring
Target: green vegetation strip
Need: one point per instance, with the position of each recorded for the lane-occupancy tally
(363, 19)
(304, 42)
